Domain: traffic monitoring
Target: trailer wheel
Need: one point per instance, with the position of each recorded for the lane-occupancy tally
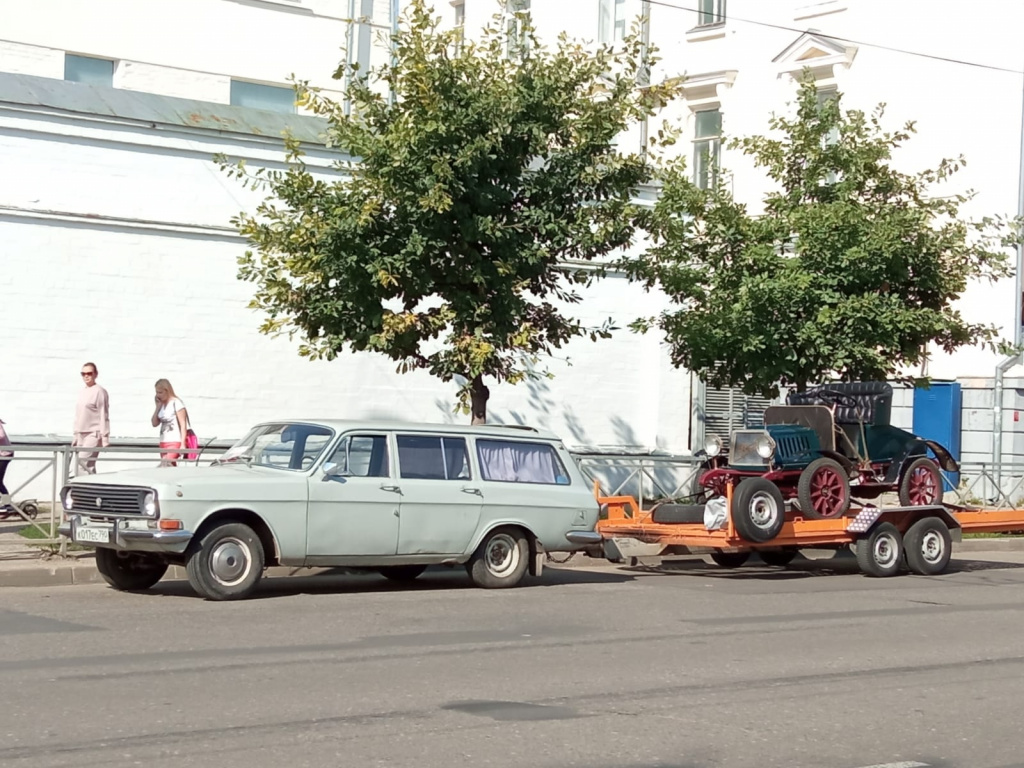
(758, 510)
(880, 553)
(729, 559)
(824, 490)
(928, 546)
(779, 557)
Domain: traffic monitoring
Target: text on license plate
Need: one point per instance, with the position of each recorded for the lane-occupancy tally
(95, 535)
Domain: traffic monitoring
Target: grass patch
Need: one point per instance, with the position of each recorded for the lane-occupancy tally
(33, 533)
(1013, 535)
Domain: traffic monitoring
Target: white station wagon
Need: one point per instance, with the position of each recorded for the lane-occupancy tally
(393, 498)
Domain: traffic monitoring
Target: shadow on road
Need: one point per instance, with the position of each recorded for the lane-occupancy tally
(342, 582)
(842, 563)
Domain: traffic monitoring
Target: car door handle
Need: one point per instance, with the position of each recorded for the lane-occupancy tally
(469, 489)
(392, 488)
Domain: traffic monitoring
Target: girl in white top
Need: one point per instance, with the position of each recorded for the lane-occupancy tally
(172, 418)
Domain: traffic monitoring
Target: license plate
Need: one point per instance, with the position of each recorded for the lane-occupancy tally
(93, 535)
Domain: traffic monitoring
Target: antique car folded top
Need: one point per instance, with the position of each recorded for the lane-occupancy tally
(387, 497)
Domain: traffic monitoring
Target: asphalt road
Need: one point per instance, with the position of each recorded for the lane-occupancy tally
(604, 668)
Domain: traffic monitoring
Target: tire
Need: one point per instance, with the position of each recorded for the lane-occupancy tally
(30, 510)
(729, 559)
(921, 484)
(227, 563)
(928, 546)
(129, 571)
(402, 572)
(758, 510)
(779, 557)
(501, 559)
(678, 513)
(880, 553)
(823, 490)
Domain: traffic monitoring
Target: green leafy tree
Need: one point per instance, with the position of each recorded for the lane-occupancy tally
(479, 170)
(852, 269)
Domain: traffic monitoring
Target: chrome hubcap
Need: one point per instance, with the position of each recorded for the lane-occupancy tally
(932, 547)
(885, 551)
(502, 555)
(230, 561)
(763, 511)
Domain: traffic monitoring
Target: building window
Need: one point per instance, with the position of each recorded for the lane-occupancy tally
(707, 146)
(273, 98)
(89, 70)
(460, 24)
(827, 96)
(710, 12)
(611, 20)
(518, 44)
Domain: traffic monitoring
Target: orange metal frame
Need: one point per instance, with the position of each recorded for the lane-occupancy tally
(625, 519)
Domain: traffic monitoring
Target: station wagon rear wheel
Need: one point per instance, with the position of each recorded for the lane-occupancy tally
(823, 490)
(227, 563)
(501, 559)
(921, 485)
(129, 571)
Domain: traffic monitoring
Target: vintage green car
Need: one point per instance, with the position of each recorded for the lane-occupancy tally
(824, 448)
(393, 498)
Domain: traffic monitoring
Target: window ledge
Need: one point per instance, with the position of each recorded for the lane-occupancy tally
(706, 32)
(813, 10)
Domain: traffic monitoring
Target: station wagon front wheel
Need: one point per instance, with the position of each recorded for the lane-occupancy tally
(501, 559)
(227, 564)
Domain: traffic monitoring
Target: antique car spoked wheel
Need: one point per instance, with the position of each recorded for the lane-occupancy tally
(823, 490)
(501, 559)
(758, 510)
(921, 484)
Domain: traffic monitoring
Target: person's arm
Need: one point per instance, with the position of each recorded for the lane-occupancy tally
(182, 415)
(104, 409)
(155, 420)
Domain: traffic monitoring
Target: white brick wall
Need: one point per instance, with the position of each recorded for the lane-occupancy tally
(170, 81)
(20, 59)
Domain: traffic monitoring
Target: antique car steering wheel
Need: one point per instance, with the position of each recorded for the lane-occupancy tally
(837, 397)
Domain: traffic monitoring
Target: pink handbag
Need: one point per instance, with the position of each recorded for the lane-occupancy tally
(191, 441)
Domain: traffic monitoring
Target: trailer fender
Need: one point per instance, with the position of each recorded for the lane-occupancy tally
(902, 517)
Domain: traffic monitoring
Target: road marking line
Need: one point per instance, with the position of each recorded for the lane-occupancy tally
(905, 764)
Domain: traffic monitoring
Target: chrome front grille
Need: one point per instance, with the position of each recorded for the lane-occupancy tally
(743, 452)
(107, 500)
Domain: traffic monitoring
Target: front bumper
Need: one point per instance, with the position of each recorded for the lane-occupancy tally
(584, 537)
(124, 537)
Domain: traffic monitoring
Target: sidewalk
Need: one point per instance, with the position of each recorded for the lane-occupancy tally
(26, 568)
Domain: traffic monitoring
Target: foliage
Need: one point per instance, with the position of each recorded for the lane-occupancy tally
(445, 243)
(852, 270)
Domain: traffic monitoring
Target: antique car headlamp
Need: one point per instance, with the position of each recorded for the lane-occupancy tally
(712, 445)
(149, 505)
(765, 447)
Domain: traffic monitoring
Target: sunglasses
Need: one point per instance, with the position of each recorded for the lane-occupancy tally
(88, 373)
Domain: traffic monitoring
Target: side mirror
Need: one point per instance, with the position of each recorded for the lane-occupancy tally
(332, 469)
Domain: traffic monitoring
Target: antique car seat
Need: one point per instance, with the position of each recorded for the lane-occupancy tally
(873, 408)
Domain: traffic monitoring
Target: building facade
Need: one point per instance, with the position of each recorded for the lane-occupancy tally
(114, 219)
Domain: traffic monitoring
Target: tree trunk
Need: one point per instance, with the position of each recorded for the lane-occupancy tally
(479, 395)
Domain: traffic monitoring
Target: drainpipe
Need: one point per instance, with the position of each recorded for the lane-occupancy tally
(348, 53)
(394, 56)
(997, 415)
(645, 43)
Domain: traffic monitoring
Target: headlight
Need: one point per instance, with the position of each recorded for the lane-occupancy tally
(765, 447)
(69, 503)
(149, 505)
(712, 445)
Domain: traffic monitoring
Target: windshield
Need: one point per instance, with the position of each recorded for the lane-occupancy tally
(282, 446)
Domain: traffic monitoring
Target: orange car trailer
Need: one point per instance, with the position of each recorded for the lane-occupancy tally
(885, 539)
